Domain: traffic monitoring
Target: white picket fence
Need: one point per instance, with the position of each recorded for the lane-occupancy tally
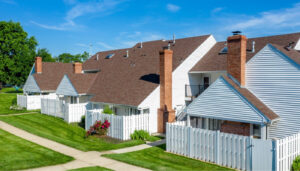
(287, 149)
(212, 146)
(121, 126)
(69, 112)
(31, 102)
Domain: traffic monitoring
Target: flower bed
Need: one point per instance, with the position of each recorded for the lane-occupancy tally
(98, 128)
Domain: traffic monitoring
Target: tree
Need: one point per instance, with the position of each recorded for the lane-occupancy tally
(17, 53)
(44, 53)
(67, 57)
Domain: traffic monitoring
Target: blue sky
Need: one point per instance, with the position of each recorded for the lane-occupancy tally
(73, 25)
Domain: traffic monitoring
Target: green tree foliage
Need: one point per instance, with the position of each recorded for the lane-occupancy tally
(67, 57)
(17, 52)
(44, 53)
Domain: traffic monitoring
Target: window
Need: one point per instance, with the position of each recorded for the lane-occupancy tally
(256, 131)
(109, 56)
(73, 100)
(224, 50)
(146, 111)
(206, 82)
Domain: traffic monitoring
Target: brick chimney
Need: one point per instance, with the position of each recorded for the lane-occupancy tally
(236, 57)
(77, 68)
(38, 65)
(165, 112)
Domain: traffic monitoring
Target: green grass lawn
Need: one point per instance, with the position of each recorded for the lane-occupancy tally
(155, 158)
(95, 168)
(6, 100)
(57, 130)
(17, 153)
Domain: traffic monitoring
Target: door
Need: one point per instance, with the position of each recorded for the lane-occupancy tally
(262, 155)
(206, 82)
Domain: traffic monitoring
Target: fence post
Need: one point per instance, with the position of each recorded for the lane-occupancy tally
(217, 147)
(190, 139)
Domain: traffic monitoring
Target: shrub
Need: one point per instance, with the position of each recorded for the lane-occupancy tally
(140, 135)
(107, 110)
(98, 128)
(14, 101)
(296, 164)
(82, 122)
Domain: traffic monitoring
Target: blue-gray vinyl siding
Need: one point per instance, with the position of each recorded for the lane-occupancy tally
(31, 86)
(222, 101)
(275, 80)
(66, 88)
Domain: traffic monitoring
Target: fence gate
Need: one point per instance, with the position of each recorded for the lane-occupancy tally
(262, 155)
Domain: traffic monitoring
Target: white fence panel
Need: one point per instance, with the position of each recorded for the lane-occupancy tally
(121, 126)
(32, 102)
(22, 101)
(52, 107)
(212, 146)
(287, 149)
(74, 112)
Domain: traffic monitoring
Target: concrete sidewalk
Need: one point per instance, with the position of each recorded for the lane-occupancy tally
(82, 159)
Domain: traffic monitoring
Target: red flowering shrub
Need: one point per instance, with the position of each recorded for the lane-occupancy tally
(98, 128)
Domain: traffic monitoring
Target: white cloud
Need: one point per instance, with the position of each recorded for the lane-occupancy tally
(129, 39)
(9, 2)
(105, 46)
(216, 10)
(81, 9)
(288, 17)
(173, 8)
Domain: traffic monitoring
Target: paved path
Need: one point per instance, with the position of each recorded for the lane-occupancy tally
(82, 159)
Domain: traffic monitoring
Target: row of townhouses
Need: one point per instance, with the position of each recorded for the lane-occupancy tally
(243, 86)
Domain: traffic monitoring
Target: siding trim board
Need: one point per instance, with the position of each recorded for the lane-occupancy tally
(239, 109)
(66, 87)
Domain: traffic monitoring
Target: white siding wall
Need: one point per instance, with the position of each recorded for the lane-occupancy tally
(66, 88)
(297, 47)
(180, 79)
(221, 101)
(275, 80)
(31, 85)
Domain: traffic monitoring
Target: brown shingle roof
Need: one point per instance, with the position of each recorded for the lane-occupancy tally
(253, 99)
(213, 61)
(82, 82)
(52, 73)
(130, 80)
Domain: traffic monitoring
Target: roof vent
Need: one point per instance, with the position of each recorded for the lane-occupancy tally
(141, 45)
(289, 46)
(109, 56)
(127, 53)
(173, 38)
(97, 57)
(253, 46)
(236, 32)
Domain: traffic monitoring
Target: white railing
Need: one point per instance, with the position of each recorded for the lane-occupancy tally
(287, 149)
(32, 102)
(221, 148)
(121, 126)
